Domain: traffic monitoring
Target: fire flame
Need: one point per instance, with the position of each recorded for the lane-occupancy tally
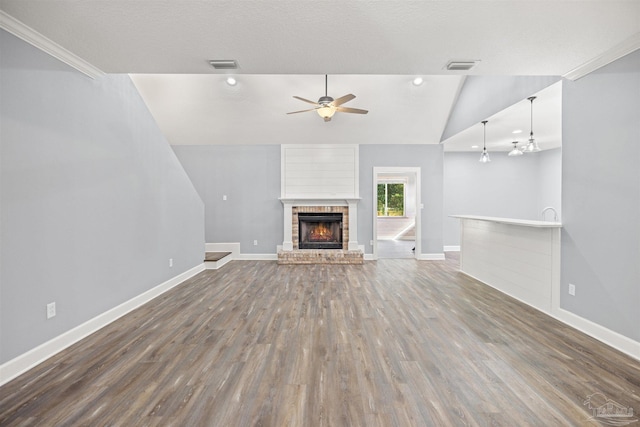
(320, 233)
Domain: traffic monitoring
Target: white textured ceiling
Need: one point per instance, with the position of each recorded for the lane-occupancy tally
(203, 109)
(370, 48)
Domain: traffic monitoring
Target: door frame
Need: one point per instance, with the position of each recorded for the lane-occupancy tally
(405, 171)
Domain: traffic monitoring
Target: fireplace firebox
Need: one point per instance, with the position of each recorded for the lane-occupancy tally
(320, 230)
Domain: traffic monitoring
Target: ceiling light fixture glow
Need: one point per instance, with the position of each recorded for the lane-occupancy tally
(326, 111)
(516, 151)
(231, 81)
(517, 131)
(484, 157)
(418, 81)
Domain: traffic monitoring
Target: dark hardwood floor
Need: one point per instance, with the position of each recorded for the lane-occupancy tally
(388, 343)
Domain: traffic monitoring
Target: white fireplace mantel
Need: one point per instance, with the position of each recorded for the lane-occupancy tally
(351, 203)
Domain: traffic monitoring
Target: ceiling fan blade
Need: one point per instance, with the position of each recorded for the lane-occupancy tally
(303, 111)
(351, 110)
(343, 99)
(306, 100)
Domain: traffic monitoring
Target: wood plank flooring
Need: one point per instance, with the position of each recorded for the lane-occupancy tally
(388, 343)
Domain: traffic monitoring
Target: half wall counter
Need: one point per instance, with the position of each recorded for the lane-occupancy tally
(518, 257)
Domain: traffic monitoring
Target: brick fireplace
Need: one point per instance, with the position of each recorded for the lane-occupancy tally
(320, 179)
(291, 252)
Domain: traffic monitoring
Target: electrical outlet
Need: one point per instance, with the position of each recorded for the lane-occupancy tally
(170, 262)
(51, 310)
(572, 289)
(255, 243)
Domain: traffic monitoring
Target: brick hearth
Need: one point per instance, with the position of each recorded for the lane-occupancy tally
(320, 256)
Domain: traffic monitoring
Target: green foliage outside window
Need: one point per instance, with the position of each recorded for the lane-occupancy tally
(390, 199)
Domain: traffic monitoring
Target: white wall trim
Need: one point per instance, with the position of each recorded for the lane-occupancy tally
(17, 366)
(618, 51)
(430, 257)
(451, 248)
(31, 36)
(418, 220)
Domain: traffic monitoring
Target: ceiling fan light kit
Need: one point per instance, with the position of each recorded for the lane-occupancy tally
(326, 106)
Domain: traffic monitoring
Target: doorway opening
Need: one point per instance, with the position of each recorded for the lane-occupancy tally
(396, 222)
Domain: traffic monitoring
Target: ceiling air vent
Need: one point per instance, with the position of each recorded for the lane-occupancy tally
(224, 64)
(460, 65)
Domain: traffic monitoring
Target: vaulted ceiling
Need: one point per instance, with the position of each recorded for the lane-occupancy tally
(370, 48)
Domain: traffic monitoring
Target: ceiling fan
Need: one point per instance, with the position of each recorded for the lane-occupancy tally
(327, 106)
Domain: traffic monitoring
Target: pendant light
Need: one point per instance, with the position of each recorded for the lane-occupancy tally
(484, 157)
(516, 151)
(532, 145)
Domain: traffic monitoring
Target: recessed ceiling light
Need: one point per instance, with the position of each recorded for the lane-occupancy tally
(517, 131)
(231, 81)
(224, 64)
(475, 146)
(417, 81)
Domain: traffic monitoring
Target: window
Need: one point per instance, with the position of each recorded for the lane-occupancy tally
(391, 198)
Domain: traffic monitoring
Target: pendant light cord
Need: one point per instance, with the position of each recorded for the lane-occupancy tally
(484, 135)
(531, 133)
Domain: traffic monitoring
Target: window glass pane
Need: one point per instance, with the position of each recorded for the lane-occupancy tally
(390, 199)
(395, 199)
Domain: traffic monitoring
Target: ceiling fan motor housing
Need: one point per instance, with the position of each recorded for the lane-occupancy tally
(324, 100)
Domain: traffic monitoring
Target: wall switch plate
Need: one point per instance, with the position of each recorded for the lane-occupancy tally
(255, 243)
(51, 310)
(572, 289)
(371, 242)
(170, 262)
(224, 197)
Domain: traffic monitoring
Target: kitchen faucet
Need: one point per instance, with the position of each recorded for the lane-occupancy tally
(549, 208)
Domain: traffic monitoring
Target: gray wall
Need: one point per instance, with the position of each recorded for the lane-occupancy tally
(429, 159)
(549, 179)
(483, 96)
(507, 187)
(93, 202)
(250, 178)
(601, 196)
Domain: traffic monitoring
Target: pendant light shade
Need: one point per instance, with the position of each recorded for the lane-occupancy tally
(516, 151)
(532, 145)
(484, 157)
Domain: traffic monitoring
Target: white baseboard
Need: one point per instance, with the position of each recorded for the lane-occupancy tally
(14, 367)
(605, 335)
(451, 248)
(430, 257)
